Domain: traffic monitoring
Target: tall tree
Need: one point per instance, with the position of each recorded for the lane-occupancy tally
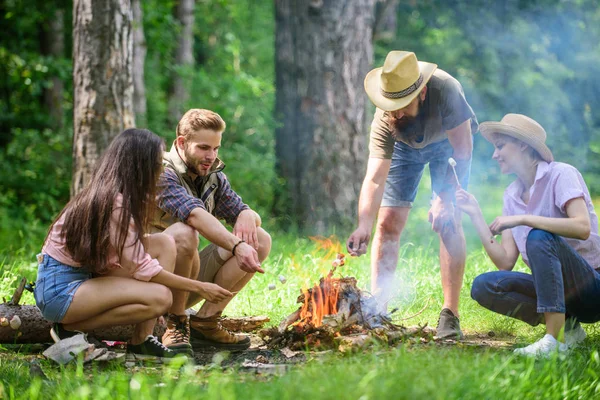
(52, 44)
(323, 51)
(103, 87)
(184, 60)
(139, 57)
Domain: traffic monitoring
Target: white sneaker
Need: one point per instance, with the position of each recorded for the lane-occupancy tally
(575, 336)
(543, 347)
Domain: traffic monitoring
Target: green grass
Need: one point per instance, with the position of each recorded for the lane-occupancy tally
(410, 370)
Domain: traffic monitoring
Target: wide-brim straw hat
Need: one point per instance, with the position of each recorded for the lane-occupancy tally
(399, 81)
(519, 127)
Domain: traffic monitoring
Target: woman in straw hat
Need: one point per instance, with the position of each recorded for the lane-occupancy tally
(422, 118)
(549, 219)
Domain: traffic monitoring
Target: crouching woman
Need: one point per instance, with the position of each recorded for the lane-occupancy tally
(548, 218)
(99, 269)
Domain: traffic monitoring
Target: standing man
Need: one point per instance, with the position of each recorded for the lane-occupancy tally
(194, 195)
(422, 117)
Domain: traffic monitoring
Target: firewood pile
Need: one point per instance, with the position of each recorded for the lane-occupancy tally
(336, 314)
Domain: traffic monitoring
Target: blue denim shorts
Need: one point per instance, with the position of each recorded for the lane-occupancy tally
(56, 285)
(407, 168)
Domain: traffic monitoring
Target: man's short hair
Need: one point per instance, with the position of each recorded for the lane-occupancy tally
(196, 119)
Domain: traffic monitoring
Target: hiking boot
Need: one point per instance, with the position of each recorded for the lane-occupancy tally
(574, 334)
(448, 326)
(543, 347)
(150, 349)
(177, 335)
(208, 332)
(58, 332)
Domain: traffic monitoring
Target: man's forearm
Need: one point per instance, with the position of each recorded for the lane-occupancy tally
(212, 229)
(368, 204)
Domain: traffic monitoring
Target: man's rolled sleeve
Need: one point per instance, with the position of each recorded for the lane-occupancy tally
(228, 204)
(174, 199)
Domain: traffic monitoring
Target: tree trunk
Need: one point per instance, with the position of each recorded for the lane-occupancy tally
(323, 52)
(35, 329)
(139, 57)
(184, 60)
(53, 45)
(386, 20)
(103, 88)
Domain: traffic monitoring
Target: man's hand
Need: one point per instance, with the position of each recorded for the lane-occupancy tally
(247, 258)
(245, 228)
(358, 241)
(505, 222)
(212, 292)
(467, 203)
(441, 216)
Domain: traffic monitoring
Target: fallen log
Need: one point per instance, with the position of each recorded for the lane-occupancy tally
(35, 329)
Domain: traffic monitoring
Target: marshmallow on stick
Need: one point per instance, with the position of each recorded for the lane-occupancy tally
(452, 163)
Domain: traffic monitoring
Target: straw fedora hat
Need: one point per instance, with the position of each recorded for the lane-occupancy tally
(520, 127)
(399, 81)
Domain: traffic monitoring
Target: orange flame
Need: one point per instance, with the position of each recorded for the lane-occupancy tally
(321, 299)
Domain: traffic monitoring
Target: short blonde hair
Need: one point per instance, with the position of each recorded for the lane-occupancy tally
(196, 119)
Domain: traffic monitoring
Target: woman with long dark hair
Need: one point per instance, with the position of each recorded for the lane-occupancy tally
(98, 268)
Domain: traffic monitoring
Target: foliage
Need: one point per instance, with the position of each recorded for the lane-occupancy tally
(540, 58)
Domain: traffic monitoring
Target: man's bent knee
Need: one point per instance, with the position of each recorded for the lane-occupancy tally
(186, 237)
(391, 222)
(264, 243)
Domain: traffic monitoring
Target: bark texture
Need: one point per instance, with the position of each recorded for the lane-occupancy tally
(184, 60)
(323, 52)
(52, 42)
(35, 329)
(103, 88)
(139, 59)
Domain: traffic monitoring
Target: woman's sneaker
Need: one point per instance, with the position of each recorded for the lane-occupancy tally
(574, 336)
(544, 347)
(150, 349)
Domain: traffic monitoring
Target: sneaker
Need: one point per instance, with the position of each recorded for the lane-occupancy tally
(177, 335)
(574, 336)
(58, 332)
(151, 348)
(448, 326)
(543, 347)
(208, 332)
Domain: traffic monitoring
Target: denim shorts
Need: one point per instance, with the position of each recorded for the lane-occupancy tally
(407, 168)
(56, 285)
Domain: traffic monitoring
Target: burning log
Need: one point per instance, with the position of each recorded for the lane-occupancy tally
(333, 313)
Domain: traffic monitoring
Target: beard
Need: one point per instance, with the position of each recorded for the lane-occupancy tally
(192, 163)
(402, 126)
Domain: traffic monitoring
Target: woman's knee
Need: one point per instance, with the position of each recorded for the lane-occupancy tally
(537, 239)
(482, 288)
(161, 299)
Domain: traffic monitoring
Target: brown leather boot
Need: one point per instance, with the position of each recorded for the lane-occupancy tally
(177, 335)
(208, 332)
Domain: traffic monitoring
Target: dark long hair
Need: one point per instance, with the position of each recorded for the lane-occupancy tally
(130, 166)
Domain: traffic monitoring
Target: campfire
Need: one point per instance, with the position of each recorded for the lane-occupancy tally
(334, 313)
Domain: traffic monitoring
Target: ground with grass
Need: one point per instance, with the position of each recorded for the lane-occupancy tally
(482, 367)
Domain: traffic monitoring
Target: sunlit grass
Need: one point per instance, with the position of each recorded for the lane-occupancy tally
(407, 371)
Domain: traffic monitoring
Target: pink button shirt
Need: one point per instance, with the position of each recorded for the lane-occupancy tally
(134, 258)
(555, 184)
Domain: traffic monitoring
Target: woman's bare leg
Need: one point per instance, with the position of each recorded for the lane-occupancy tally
(119, 299)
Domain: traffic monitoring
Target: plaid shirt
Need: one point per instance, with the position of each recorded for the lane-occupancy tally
(175, 200)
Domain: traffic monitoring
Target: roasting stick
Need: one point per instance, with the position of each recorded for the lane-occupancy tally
(452, 163)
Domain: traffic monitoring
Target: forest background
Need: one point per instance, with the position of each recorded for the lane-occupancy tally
(538, 57)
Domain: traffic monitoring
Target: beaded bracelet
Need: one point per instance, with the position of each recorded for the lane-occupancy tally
(236, 245)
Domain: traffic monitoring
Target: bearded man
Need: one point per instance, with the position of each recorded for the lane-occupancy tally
(194, 194)
(422, 117)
